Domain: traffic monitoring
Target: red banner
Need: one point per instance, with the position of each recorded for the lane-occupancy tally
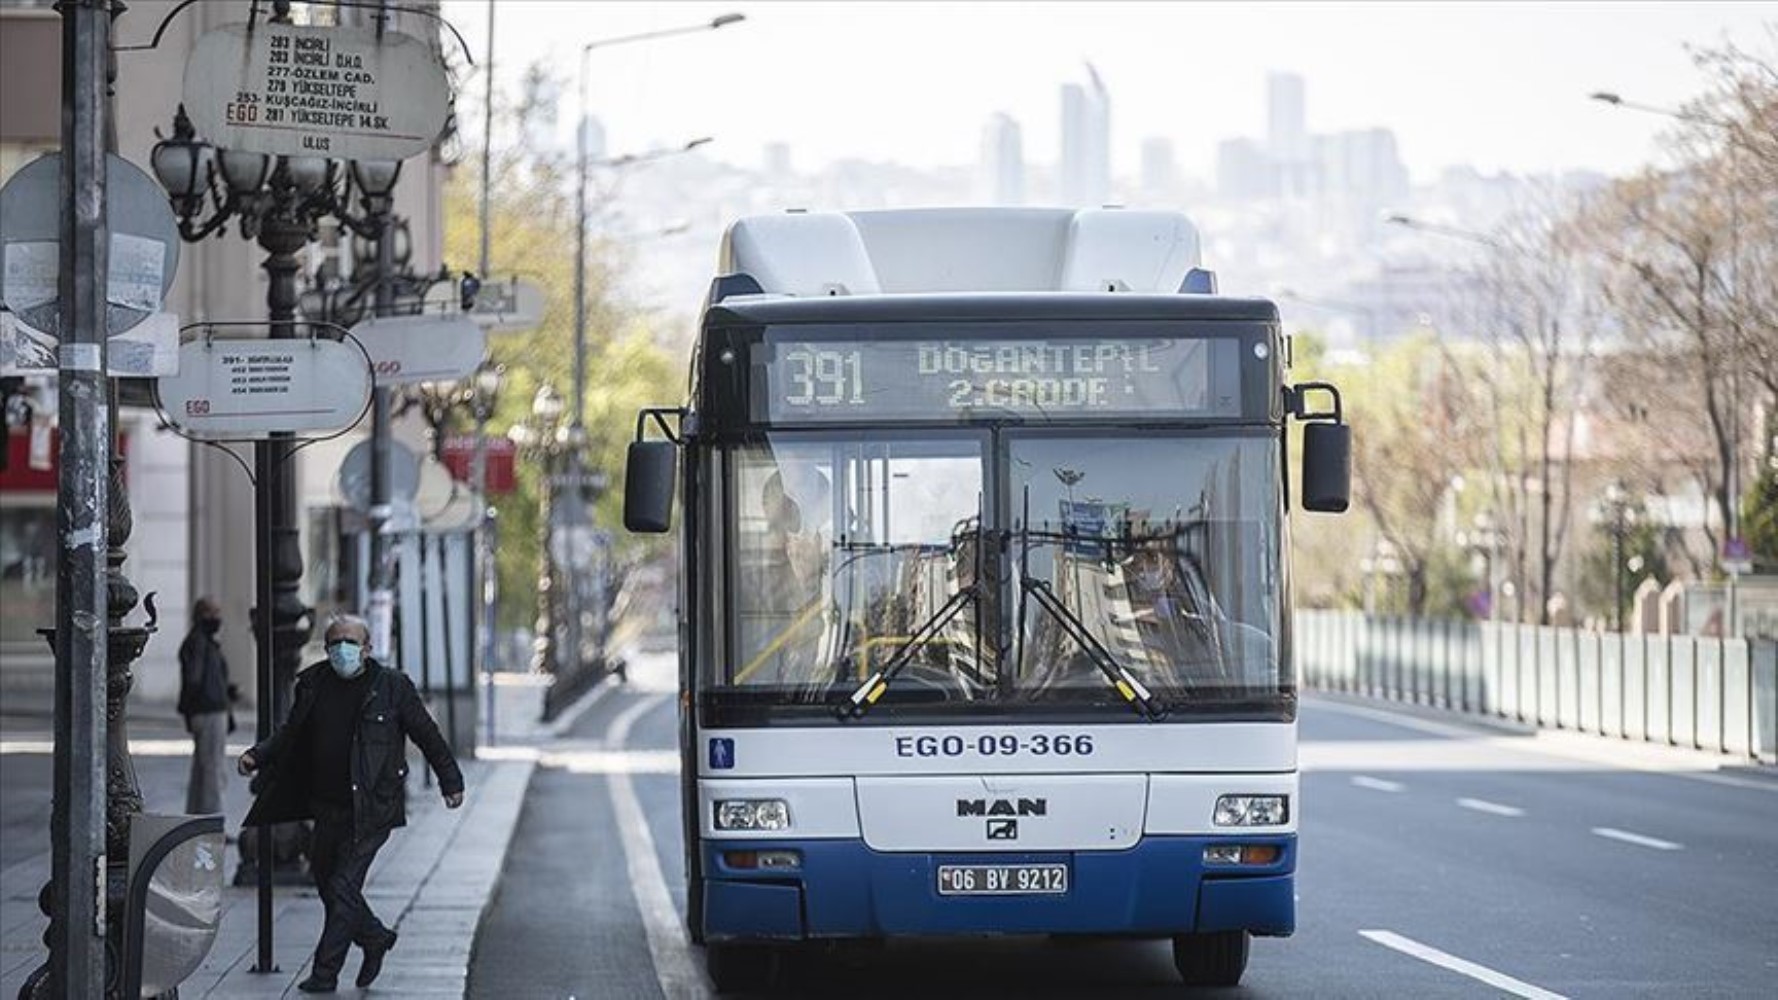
(459, 457)
(20, 476)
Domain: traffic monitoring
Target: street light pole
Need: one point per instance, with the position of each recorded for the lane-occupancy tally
(575, 474)
(77, 889)
(1617, 508)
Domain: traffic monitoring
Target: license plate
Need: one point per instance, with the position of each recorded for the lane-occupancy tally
(1002, 880)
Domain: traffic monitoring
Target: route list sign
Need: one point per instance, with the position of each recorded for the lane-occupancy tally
(234, 389)
(294, 90)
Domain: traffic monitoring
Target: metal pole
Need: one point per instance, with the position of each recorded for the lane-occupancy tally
(263, 473)
(484, 564)
(77, 818)
(1617, 565)
(487, 143)
(382, 597)
(280, 615)
(575, 473)
(580, 253)
(1732, 475)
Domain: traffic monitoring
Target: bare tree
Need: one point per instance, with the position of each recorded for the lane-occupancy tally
(1538, 324)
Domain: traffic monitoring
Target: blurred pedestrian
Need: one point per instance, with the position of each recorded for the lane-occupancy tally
(205, 695)
(340, 759)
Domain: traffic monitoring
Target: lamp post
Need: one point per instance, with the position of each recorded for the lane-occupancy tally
(1617, 511)
(576, 430)
(1732, 474)
(1443, 229)
(540, 438)
(483, 400)
(277, 202)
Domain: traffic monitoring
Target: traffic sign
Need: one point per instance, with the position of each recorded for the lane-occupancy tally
(238, 389)
(1737, 557)
(297, 90)
(143, 252)
(408, 349)
(354, 475)
(508, 305)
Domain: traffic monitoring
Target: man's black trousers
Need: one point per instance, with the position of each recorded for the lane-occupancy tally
(340, 862)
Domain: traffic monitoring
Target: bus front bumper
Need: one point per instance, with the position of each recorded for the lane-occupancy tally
(844, 889)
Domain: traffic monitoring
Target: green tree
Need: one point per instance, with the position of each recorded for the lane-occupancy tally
(1759, 510)
(532, 236)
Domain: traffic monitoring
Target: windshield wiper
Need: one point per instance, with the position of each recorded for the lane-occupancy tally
(867, 693)
(1134, 692)
(1120, 679)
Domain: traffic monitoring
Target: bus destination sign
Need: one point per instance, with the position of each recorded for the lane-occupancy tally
(844, 381)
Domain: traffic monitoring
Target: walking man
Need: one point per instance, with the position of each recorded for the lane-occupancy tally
(204, 697)
(340, 759)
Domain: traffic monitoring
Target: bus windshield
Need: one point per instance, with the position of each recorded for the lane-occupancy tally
(843, 550)
(1162, 549)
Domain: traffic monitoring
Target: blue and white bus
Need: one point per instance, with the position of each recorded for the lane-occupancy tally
(985, 604)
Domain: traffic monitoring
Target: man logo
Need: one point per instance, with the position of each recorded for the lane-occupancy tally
(1003, 807)
(1003, 829)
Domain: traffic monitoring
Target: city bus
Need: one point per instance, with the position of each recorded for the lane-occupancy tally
(984, 609)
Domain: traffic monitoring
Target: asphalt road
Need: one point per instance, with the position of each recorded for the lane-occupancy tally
(1437, 860)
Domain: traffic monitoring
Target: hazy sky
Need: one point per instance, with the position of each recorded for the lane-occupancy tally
(1497, 85)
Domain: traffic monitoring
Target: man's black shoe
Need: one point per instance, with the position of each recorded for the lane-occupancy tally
(373, 960)
(316, 984)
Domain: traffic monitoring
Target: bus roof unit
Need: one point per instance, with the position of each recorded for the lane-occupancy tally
(937, 250)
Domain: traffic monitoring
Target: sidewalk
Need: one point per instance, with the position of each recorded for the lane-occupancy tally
(431, 882)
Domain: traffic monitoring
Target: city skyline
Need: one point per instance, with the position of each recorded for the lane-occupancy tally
(1194, 76)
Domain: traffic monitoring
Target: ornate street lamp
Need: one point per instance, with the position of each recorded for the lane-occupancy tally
(542, 438)
(277, 201)
(484, 399)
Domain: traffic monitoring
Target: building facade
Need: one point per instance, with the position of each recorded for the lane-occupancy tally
(192, 507)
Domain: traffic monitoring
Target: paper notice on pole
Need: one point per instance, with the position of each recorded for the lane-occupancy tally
(32, 269)
(147, 350)
(133, 274)
(24, 350)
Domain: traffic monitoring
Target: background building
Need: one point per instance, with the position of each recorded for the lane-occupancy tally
(1086, 142)
(193, 507)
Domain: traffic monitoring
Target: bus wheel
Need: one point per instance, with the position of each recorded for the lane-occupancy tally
(1216, 959)
(740, 968)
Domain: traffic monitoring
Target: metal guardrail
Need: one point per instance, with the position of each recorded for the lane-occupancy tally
(1693, 691)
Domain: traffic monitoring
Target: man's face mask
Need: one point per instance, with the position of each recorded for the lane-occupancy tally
(346, 657)
(211, 626)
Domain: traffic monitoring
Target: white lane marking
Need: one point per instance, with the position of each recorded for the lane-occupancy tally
(1427, 953)
(1492, 808)
(1376, 784)
(667, 947)
(1638, 839)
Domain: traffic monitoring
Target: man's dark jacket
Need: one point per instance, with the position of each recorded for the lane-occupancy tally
(203, 675)
(391, 713)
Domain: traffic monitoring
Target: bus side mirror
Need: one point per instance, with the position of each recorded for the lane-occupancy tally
(648, 486)
(1327, 467)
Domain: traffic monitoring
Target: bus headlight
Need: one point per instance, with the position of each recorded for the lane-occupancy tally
(1252, 810)
(752, 814)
